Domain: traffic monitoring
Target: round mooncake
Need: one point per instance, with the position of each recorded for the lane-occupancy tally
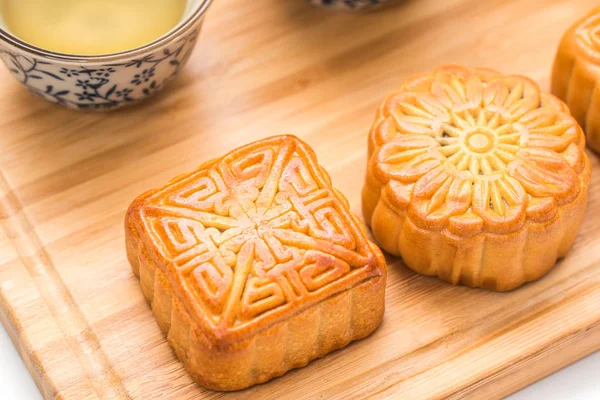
(476, 177)
(576, 74)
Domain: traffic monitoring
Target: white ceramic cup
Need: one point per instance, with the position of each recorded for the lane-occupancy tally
(105, 81)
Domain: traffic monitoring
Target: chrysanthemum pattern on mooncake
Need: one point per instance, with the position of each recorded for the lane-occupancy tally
(576, 74)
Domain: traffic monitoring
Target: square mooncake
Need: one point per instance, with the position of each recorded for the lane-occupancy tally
(254, 265)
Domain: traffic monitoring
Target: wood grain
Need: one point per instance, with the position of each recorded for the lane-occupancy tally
(72, 305)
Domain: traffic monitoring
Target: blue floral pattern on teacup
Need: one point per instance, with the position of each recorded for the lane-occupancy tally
(347, 4)
(103, 86)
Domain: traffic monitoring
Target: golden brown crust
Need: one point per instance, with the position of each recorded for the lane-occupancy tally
(576, 74)
(254, 265)
(475, 177)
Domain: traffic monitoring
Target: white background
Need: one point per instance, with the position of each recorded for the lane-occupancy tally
(580, 381)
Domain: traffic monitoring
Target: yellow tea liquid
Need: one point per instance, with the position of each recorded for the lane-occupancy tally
(91, 27)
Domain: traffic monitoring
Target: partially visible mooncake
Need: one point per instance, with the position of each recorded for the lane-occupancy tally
(475, 177)
(576, 74)
(254, 265)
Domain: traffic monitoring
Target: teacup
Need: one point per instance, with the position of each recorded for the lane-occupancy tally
(105, 81)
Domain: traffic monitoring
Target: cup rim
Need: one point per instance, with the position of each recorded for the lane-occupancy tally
(181, 27)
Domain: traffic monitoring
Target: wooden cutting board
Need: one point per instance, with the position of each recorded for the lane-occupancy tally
(262, 67)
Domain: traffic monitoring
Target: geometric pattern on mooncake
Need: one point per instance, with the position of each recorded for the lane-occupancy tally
(476, 177)
(257, 234)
